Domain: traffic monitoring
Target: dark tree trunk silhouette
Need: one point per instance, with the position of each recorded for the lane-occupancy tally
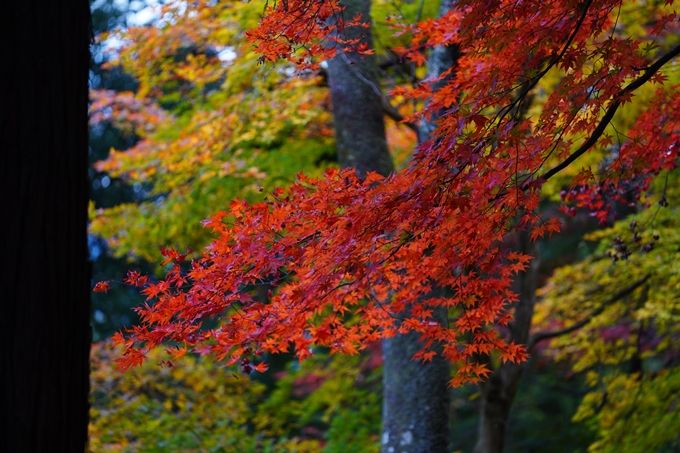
(498, 391)
(46, 278)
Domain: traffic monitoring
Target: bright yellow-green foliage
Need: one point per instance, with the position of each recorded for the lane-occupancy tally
(198, 406)
(386, 13)
(576, 291)
(194, 406)
(140, 229)
(629, 345)
(633, 413)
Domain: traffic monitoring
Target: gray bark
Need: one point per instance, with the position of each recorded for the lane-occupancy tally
(357, 100)
(440, 60)
(45, 281)
(417, 398)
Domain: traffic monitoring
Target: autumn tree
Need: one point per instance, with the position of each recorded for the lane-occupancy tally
(356, 258)
(46, 295)
(361, 143)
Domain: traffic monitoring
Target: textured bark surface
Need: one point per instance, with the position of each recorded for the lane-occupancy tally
(416, 395)
(357, 101)
(499, 390)
(46, 281)
(416, 399)
(440, 60)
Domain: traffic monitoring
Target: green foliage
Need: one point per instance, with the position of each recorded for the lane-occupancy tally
(193, 406)
(329, 405)
(626, 295)
(138, 229)
(540, 420)
(633, 412)
(335, 395)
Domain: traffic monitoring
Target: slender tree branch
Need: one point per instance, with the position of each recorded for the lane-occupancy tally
(532, 82)
(393, 59)
(394, 114)
(609, 114)
(540, 336)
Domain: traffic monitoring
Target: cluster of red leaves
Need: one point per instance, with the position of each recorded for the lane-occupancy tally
(305, 32)
(101, 287)
(352, 261)
(652, 147)
(339, 283)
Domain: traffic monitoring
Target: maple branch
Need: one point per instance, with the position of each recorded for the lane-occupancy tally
(540, 336)
(609, 114)
(393, 113)
(556, 59)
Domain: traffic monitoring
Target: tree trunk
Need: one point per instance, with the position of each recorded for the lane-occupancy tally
(416, 404)
(500, 389)
(357, 100)
(46, 283)
(416, 398)
(440, 60)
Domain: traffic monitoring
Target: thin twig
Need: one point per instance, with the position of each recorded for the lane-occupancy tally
(540, 336)
(609, 114)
